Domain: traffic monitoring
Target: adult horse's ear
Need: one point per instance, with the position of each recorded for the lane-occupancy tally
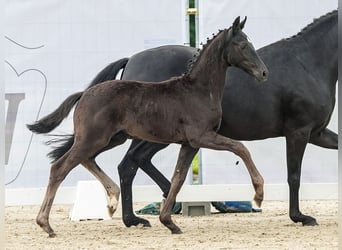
(242, 24)
(236, 25)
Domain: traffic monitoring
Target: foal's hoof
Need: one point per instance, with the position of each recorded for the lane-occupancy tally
(111, 211)
(52, 235)
(258, 200)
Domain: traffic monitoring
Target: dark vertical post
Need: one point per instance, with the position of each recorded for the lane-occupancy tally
(192, 12)
(192, 23)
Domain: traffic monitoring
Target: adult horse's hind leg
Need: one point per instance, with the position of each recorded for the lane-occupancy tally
(186, 155)
(295, 146)
(326, 139)
(142, 155)
(139, 154)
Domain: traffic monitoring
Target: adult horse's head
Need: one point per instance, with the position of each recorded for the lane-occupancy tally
(240, 52)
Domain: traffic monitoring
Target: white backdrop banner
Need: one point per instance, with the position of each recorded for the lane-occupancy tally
(55, 48)
(267, 21)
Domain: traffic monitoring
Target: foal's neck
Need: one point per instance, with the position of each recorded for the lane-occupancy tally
(208, 72)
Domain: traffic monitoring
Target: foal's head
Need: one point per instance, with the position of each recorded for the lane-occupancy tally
(240, 52)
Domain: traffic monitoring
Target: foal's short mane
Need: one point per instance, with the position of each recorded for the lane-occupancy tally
(312, 25)
(199, 51)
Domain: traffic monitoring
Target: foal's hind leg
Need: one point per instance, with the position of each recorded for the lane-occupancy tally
(80, 151)
(112, 189)
(215, 141)
(59, 170)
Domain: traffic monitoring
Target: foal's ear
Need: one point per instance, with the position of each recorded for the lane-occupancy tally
(236, 25)
(242, 24)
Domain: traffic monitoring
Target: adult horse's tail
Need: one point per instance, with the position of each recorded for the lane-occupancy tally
(53, 120)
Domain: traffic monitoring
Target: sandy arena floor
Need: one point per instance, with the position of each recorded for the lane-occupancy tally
(271, 229)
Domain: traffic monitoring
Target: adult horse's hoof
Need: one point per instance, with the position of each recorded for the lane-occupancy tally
(137, 221)
(145, 223)
(304, 219)
(309, 221)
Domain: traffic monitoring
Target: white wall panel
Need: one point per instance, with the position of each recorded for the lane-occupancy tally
(55, 48)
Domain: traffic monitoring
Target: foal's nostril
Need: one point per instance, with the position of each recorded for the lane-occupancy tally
(264, 74)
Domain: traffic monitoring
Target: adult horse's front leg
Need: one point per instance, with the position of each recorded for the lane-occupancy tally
(213, 140)
(186, 155)
(295, 146)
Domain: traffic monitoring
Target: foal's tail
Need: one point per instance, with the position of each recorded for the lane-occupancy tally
(66, 143)
(53, 120)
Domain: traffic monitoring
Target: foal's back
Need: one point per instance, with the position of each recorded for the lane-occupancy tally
(140, 109)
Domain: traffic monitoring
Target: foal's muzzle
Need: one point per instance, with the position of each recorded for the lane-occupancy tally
(261, 73)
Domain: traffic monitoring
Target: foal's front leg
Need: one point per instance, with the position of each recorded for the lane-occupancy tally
(186, 155)
(213, 140)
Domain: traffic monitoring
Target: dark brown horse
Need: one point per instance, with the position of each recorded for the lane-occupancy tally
(164, 112)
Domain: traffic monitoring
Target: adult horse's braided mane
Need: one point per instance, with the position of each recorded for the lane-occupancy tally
(315, 22)
(312, 25)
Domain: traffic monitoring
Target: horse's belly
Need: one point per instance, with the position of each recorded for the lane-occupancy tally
(247, 128)
(161, 133)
